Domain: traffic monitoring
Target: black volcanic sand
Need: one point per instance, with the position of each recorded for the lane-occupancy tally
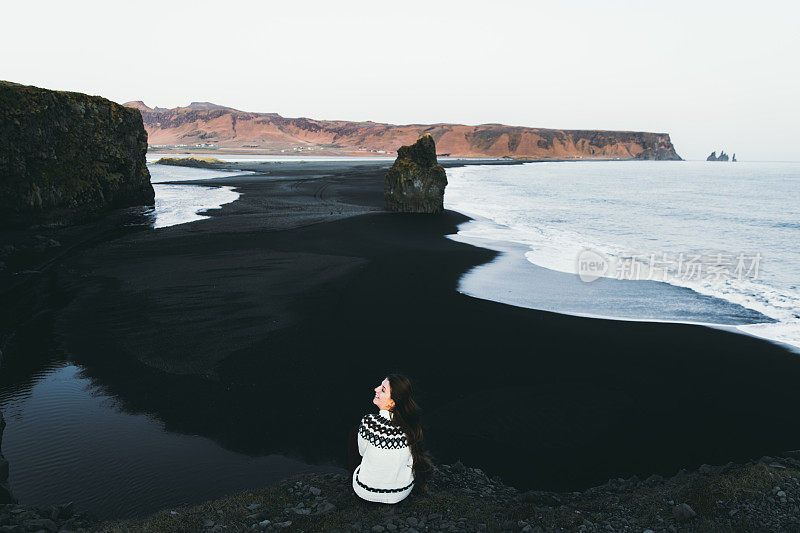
(266, 327)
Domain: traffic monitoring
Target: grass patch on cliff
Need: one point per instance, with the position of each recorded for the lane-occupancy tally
(196, 162)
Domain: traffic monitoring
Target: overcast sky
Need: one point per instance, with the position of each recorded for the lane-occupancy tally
(715, 75)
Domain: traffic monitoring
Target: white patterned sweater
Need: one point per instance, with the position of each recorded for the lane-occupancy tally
(385, 474)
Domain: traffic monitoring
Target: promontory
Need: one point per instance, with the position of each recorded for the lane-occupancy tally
(206, 126)
(64, 155)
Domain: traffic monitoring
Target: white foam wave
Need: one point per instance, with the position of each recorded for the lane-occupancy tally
(501, 212)
(179, 204)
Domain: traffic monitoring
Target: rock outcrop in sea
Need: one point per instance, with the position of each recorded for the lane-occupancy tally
(721, 157)
(415, 182)
(64, 155)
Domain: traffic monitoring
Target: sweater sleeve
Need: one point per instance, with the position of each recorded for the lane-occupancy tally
(362, 442)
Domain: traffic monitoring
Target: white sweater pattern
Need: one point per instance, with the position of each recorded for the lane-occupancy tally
(386, 470)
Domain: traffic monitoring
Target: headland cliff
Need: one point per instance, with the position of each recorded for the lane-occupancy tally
(203, 125)
(65, 154)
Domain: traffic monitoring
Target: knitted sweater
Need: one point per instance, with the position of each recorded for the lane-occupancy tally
(385, 474)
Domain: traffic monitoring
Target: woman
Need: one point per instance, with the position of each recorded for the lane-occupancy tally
(390, 443)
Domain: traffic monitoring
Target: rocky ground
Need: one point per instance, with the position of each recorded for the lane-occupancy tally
(760, 495)
(20, 518)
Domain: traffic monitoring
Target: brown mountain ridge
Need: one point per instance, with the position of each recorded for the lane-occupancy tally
(204, 125)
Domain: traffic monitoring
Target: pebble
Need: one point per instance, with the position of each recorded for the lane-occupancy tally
(41, 523)
(683, 512)
(325, 507)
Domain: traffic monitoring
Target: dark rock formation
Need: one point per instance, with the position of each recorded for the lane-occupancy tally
(721, 157)
(5, 491)
(656, 147)
(734, 158)
(416, 182)
(66, 154)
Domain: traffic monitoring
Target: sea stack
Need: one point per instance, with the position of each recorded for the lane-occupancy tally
(65, 154)
(416, 181)
(721, 157)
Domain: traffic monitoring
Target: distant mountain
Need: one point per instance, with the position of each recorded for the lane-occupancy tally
(206, 105)
(138, 104)
(204, 124)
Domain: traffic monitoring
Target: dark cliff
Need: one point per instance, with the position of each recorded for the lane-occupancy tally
(64, 155)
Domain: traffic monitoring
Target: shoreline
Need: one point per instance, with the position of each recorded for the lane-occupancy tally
(354, 284)
(491, 280)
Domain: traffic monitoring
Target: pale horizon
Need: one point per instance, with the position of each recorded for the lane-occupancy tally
(717, 76)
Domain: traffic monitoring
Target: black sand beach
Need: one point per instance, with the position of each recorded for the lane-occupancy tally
(266, 327)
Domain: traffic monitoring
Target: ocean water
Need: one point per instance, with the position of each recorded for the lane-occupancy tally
(179, 204)
(724, 230)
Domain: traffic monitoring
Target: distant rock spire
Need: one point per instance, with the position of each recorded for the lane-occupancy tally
(721, 157)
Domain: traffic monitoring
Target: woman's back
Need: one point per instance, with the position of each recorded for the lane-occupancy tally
(386, 472)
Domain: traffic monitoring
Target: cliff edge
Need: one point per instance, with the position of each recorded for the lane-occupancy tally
(65, 154)
(756, 496)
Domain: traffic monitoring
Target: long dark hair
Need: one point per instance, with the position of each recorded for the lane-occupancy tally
(406, 414)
